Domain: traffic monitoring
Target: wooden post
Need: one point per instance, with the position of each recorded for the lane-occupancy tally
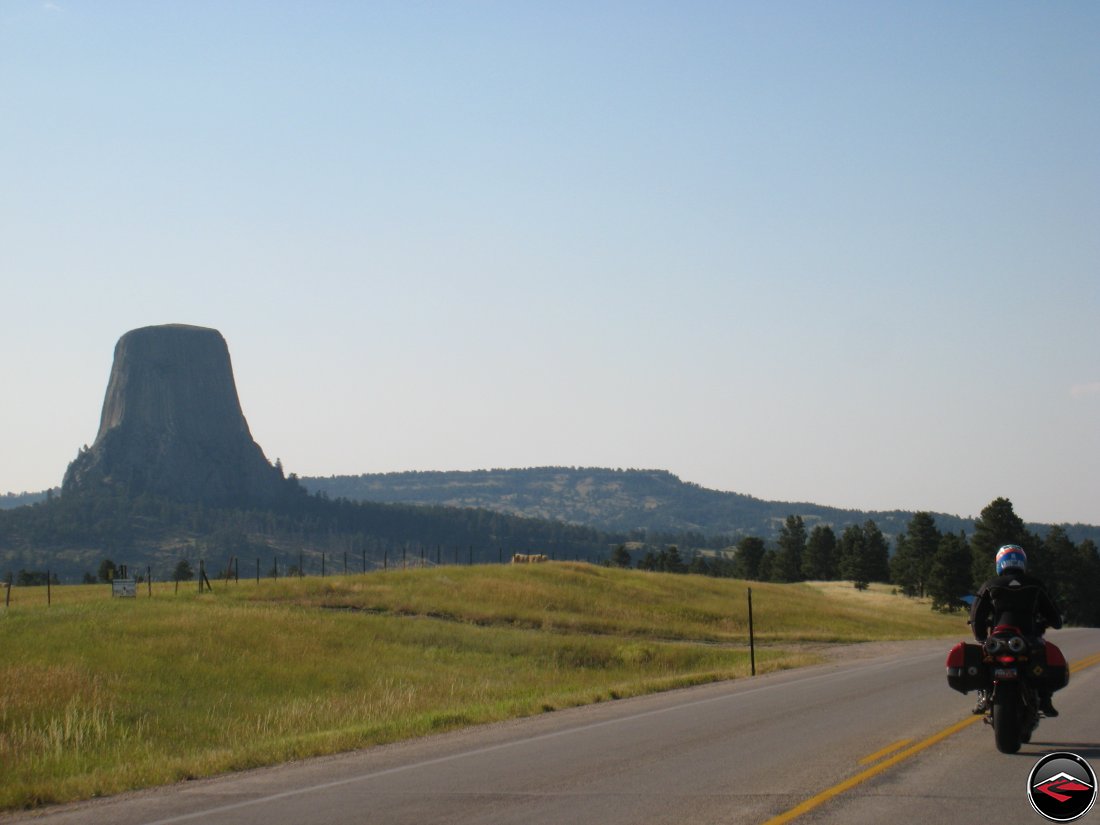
(49, 595)
(257, 570)
(7, 595)
(322, 565)
(149, 580)
(752, 638)
(301, 564)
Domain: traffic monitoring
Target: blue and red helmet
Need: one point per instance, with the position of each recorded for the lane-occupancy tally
(1011, 556)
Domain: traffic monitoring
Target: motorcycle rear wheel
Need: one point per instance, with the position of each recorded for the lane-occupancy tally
(1007, 722)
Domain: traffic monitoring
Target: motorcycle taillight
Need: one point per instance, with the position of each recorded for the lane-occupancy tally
(1006, 660)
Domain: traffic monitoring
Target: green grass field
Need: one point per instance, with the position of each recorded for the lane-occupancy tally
(101, 695)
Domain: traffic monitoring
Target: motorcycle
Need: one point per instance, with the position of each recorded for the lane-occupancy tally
(1011, 669)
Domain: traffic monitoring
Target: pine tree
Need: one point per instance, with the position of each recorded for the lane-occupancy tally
(670, 560)
(866, 554)
(107, 570)
(997, 525)
(792, 544)
(852, 556)
(620, 557)
(912, 561)
(750, 553)
(878, 552)
(699, 565)
(1081, 598)
(949, 577)
(1074, 577)
(819, 562)
(183, 571)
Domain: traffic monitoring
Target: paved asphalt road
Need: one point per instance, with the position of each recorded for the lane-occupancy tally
(864, 740)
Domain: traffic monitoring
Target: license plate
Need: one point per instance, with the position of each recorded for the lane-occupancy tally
(1004, 673)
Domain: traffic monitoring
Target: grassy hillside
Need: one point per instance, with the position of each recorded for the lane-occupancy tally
(100, 695)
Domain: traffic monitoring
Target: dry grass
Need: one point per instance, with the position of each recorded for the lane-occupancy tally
(100, 695)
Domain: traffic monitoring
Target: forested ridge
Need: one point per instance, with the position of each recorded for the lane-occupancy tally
(631, 501)
(71, 535)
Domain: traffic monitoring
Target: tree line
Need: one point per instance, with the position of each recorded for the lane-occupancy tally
(926, 562)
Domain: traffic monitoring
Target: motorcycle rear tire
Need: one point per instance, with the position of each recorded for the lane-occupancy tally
(1007, 718)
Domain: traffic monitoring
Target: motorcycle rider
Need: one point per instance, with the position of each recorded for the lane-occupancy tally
(1014, 597)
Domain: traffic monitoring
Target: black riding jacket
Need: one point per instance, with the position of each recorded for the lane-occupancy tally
(1015, 599)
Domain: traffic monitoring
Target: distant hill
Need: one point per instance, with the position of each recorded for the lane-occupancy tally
(652, 501)
(620, 501)
(10, 500)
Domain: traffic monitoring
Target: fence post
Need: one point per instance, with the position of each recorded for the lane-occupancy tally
(7, 595)
(752, 639)
(49, 595)
(149, 579)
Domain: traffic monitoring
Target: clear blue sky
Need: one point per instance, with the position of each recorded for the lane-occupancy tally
(843, 252)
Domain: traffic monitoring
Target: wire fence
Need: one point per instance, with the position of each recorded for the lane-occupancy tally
(195, 573)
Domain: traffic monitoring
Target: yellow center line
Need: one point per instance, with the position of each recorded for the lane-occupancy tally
(877, 755)
(875, 770)
(863, 776)
(1081, 664)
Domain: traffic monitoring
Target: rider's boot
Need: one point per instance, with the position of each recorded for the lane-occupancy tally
(983, 703)
(1046, 706)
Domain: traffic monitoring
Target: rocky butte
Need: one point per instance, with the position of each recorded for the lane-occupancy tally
(172, 425)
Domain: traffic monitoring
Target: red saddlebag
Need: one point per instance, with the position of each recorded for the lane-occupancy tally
(1049, 667)
(965, 671)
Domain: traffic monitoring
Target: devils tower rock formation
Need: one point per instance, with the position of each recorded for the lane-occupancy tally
(172, 425)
